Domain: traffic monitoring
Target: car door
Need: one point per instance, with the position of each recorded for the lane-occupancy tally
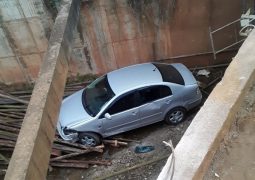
(124, 114)
(154, 100)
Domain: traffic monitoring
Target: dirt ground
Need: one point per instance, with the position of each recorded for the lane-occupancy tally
(235, 159)
(125, 162)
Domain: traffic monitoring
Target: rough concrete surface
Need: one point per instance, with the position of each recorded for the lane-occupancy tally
(194, 152)
(114, 33)
(23, 38)
(235, 159)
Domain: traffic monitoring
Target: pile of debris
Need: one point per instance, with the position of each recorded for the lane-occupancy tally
(207, 77)
(13, 107)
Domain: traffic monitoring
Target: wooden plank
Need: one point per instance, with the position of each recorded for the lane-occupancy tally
(11, 115)
(69, 165)
(2, 157)
(6, 143)
(102, 162)
(115, 143)
(9, 129)
(61, 141)
(66, 148)
(77, 154)
(55, 152)
(4, 95)
(14, 135)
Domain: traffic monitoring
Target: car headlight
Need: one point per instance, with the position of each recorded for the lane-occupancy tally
(69, 131)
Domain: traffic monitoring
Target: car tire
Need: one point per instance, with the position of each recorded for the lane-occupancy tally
(175, 116)
(89, 139)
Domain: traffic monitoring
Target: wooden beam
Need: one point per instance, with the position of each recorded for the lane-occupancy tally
(7, 96)
(31, 155)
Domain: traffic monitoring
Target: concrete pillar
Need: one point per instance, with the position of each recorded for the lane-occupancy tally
(31, 155)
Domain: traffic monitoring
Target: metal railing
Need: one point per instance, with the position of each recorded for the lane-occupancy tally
(212, 32)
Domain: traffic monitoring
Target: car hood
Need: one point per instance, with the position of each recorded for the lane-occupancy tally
(72, 110)
(186, 74)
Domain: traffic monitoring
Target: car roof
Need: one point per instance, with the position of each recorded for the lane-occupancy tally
(134, 76)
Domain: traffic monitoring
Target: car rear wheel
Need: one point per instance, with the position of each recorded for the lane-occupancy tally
(89, 139)
(175, 116)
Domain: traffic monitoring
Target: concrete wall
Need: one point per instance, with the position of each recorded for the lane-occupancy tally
(24, 26)
(194, 152)
(113, 33)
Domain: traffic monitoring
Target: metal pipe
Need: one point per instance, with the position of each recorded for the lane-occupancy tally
(214, 31)
(229, 46)
(192, 55)
(212, 66)
(212, 43)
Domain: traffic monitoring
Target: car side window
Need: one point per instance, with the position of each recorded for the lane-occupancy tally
(124, 103)
(153, 93)
(165, 91)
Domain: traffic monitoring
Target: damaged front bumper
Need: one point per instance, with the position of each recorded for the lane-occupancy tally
(71, 137)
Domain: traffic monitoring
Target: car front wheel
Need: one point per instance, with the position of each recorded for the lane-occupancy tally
(89, 139)
(175, 116)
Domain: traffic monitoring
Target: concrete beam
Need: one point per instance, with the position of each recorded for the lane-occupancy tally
(198, 145)
(31, 155)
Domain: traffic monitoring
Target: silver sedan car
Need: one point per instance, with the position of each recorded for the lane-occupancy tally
(126, 99)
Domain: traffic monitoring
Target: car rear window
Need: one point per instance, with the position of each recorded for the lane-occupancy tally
(169, 73)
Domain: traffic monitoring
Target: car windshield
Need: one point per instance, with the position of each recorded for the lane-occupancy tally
(96, 95)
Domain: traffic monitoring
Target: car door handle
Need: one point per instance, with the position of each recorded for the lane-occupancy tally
(168, 101)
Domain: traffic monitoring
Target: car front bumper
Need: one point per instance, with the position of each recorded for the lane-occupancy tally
(72, 137)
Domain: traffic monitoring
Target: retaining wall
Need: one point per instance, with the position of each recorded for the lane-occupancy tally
(114, 33)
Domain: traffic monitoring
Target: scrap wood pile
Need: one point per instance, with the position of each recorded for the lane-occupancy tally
(13, 107)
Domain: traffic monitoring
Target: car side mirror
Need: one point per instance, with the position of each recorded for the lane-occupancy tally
(107, 116)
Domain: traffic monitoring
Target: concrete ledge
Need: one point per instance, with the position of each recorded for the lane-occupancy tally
(31, 155)
(195, 151)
